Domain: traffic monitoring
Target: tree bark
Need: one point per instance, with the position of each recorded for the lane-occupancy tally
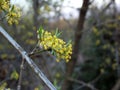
(36, 14)
(67, 85)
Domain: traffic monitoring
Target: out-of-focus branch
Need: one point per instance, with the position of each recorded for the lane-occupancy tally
(21, 73)
(83, 83)
(91, 1)
(103, 24)
(67, 85)
(107, 22)
(107, 6)
(67, 21)
(117, 85)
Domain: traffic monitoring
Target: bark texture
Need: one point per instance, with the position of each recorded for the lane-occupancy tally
(36, 14)
(67, 85)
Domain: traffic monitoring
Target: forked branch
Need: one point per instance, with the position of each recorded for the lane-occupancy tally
(27, 58)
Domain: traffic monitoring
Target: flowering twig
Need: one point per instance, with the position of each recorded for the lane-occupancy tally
(27, 58)
(37, 52)
(59, 48)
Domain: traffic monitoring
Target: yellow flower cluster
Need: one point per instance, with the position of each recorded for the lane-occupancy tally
(4, 5)
(12, 13)
(58, 47)
(13, 16)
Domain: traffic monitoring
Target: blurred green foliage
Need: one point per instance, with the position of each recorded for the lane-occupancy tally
(98, 46)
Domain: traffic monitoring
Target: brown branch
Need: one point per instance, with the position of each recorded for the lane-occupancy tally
(83, 83)
(67, 85)
(21, 72)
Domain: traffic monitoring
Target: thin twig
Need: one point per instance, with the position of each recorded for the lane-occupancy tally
(96, 79)
(21, 72)
(83, 83)
(36, 53)
(107, 6)
(28, 59)
(35, 48)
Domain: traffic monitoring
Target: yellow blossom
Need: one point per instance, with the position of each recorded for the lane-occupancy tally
(61, 49)
(12, 13)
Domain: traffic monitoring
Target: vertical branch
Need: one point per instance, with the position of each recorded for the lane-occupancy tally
(36, 14)
(67, 85)
(21, 72)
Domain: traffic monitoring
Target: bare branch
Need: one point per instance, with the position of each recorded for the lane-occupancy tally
(107, 6)
(96, 79)
(83, 83)
(21, 72)
(67, 85)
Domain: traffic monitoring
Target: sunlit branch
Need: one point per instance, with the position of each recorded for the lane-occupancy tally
(28, 59)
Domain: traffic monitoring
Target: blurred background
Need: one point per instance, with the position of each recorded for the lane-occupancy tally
(97, 63)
